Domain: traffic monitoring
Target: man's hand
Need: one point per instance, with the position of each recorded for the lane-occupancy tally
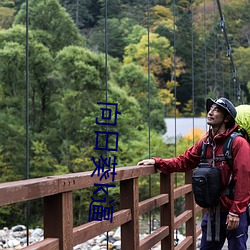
(232, 221)
(146, 162)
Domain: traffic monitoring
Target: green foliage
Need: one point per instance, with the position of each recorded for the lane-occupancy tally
(42, 163)
(53, 25)
(6, 17)
(12, 68)
(242, 63)
(84, 13)
(160, 59)
(118, 32)
(136, 83)
(160, 53)
(161, 16)
(12, 149)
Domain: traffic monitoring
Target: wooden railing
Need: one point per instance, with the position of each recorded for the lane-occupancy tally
(59, 232)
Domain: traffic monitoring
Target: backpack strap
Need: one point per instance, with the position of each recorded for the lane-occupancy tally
(203, 152)
(203, 158)
(227, 148)
(227, 151)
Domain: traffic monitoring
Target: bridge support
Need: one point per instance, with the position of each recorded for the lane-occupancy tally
(58, 219)
(167, 210)
(130, 199)
(190, 205)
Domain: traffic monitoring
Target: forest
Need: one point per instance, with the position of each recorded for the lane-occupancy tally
(154, 59)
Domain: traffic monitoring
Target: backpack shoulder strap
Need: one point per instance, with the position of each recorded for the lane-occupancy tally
(203, 152)
(227, 148)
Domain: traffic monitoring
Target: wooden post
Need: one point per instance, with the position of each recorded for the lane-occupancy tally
(167, 210)
(190, 205)
(58, 219)
(129, 197)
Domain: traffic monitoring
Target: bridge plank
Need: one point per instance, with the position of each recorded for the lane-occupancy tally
(19, 191)
(182, 218)
(185, 189)
(94, 228)
(24, 190)
(152, 203)
(46, 244)
(154, 238)
(185, 244)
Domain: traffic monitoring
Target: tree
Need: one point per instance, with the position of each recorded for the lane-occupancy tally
(161, 16)
(242, 64)
(84, 13)
(118, 32)
(6, 17)
(161, 63)
(53, 25)
(136, 82)
(161, 57)
(40, 60)
(79, 74)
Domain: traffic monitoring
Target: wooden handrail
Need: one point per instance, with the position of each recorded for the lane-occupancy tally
(58, 209)
(24, 190)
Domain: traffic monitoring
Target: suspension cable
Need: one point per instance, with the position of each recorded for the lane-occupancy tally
(175, 95)
(27, 88)
(149, 121)
(106, 82)
(215, 51)
(192, 76)
(229, 53)
(27, 207)
(205, 49)
(174, 75)
(221, 65)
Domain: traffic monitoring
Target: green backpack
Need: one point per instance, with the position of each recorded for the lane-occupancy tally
(243, 120)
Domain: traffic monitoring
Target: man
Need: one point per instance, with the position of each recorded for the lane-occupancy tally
(221, 115)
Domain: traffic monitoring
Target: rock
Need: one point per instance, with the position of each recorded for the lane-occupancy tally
(117, 235)
(111, 240)
(23, 240)
(38, 232)
(81, 246)
(13, 243)
(3, 233)
(111, 233)
(18, 247)
(103, 243)
(18, 234)
(18, 228)
(91, 242)
(95, 248)
(100, 238)
(117, 244)
(16, 238)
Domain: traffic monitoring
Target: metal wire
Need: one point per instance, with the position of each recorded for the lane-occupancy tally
(215, 51)
(174, 73)
(149, 121)
(175, 107)
(236, 82)
(106, 82)
(205, 50)
(27, 207)
(192, 77)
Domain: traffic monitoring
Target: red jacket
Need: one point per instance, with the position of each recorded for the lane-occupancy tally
(241, 167)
